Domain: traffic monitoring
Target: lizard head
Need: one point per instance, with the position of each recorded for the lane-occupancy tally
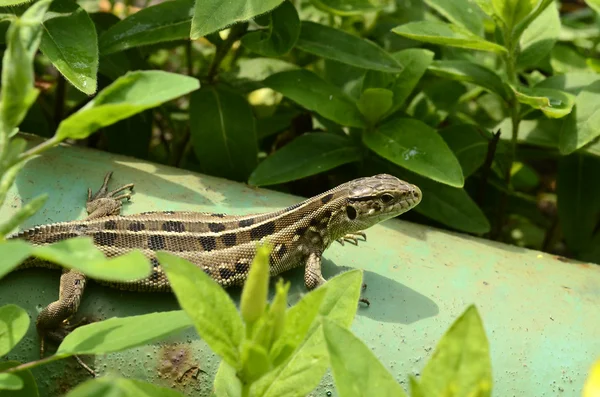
(374, 199)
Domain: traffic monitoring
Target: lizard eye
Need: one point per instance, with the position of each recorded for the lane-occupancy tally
(386, 198)
(351, 213)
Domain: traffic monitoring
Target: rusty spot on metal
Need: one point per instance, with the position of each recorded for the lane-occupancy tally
(176, 362)
(485, 283)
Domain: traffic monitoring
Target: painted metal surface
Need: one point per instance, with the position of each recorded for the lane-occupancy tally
(541, 313)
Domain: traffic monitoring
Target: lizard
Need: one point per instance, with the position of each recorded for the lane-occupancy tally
(222, 245)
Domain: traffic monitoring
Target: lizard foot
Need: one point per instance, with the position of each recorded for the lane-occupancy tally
(352, 238)
(104, 202)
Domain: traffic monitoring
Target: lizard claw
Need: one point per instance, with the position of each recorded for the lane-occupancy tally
(352, 238)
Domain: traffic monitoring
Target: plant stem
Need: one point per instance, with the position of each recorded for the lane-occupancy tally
(31, 364)
(38, 149)
(235, 33)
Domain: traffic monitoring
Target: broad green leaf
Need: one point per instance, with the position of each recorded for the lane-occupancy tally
(446, 34)
(211, 309)
(118, 334)
(355, 367)
(461, 363)
(524, 24)
(126, 96)
(594, 5)
(121, 387)
(29, 388)
(539, 38)
(166, 21)
(18, 93)
(345, 7)
(553, 103)
(412, 144)
(341, 299)
(583, 124)
(226, 383)
(316, 94)
(250, 73)
(472, 73)
(566, 59)
(468, 144)
(10, 382)
(591, 388)
(80, 253)
(223, 132)
(14, 322)
(23, 214)
(13, 253)
(212, 15)
(309, 154)
(486, 6)
(460, 12)
(281, 34)
(70, 42)
(511, 12)
(374, 103)
(572, 83)
(337, 45)
(578, 199)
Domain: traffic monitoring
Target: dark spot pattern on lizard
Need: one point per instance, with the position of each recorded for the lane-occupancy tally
(105, 238)
(209, 243)
(226, 273)
(154, 262)
(326, 216)
(301, 230)
(246, 222)
(229, 239)
(136, 227)
(242, 267)
(327, 198)
(281, 251)
(156, 242)
(173, 226)
(263, 230)
(218, 215)
(216, 227)
(155, 275)
(58, 237)
(110, 225)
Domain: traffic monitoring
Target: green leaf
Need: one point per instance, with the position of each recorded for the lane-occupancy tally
(118, 334)
(70, 42)
(578, 199)
(374, 103)
(13, 253)
(126, 96)
(511, 12)
(468, 144)
(337, 45)
(566, 59)
(212, 15)
(309, 154)
(226, 383)
(23, 214)
(355, 367)
(254, 294)
(594, 5)
(281, 34)
(583, 124)
(340, 301)
(250, 73)
(539, 38)
(345, 7)
(162, 22)
(472, 73)
(80, 253)
(213, 312)
(415, 146)
(29, 388)
(553, 103)
(460, 12)
(223, 132)
(120, 387)
(14, 322)
(460, 364)
(446, 34)
(521, 26)
(10, 382)
(316, 94)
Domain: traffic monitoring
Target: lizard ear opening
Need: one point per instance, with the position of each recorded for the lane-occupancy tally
(351, 212)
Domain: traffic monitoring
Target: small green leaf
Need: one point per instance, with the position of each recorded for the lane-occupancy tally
(280, 36)
(316, 94)
(254, 294)
(211, 15)
(583, 124)
(341, 299)
(355, 367)
(29, 388)
(10, 382)
(120, 387)
(126, 96)
(162, 22)
(14, 322)
(345, 7)
(81, 254)
(553, 103)
(472, 73)
(23, 214)
(255, 359)
(468, 144)
(70, 42)
(213, 312)
(13, 253)
(511, 12)
(415, 146)
(566, 59)
(460, 12)
(337, 45)
(538, 39)
(374, 103)
(118, 334)
(309, 154)
(446, 34)
(223, 132)
(227, 384)
(460, 364)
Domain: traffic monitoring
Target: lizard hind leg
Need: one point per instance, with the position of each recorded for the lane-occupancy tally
(105, 202)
